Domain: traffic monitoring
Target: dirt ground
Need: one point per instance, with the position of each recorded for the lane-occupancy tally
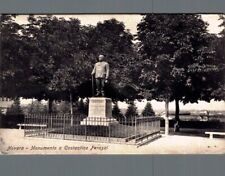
(12, 141)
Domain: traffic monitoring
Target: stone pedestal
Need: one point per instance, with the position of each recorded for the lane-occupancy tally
(99, 112)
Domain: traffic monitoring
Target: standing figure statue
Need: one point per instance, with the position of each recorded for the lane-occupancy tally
(101, 74)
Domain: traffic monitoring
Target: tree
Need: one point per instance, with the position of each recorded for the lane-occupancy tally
(64, 53)
(116, 112)
(56, 57)
(219, 93)
(148, 111)
(178, 60)
(14, 61)
(36, 107)
(131, 112)
(111, 39)
(81, 107)
(59, 62)
(15, 108)
(86, 106)
(19, 52)
(63, 107)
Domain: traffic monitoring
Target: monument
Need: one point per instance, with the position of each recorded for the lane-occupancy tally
(100, 107)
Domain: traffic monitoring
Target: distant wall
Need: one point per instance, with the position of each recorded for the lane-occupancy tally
(197, 124)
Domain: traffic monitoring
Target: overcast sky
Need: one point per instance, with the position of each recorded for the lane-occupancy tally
(131, 21)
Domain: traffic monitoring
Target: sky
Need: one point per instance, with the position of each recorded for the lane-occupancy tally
(130, 22)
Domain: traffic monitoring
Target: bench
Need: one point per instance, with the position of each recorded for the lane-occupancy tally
(212, 133)
(31, 125)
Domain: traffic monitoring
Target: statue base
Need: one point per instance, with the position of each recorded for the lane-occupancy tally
(99, 112)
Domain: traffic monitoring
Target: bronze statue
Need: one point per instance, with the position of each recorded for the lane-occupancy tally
(101, 74)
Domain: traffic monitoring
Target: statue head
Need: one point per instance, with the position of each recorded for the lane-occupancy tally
(100, 57)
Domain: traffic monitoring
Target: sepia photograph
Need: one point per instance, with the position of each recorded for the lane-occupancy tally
(112, 84)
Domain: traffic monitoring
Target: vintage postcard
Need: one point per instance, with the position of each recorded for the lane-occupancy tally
(112, 84)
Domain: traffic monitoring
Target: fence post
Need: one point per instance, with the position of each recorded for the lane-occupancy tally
(51, 122)
(46, 122)
(109, 131)
(125, 121)
(25, 120)
(85, 129)
(71, 120)
(64, 120)
(135, 128)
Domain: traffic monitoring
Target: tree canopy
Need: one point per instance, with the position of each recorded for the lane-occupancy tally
(14, 58)
(178, 58)
(219, 44)
(52, 58)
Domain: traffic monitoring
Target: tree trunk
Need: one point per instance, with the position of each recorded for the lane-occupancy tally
(177, 119)
(71, 108)
(167, 117)
(50, 103)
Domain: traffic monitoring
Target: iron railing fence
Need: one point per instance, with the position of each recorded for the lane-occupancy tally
(78, 127)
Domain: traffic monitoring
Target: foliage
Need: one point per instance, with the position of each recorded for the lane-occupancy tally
(82, 107)
(111, 39)
(62, 107)
(131, 112)
(36, 107)
(178, 59)
(14, 58)
(148, 111)
(56, 57)
(15, 108)
(116, 112)
(219, 93)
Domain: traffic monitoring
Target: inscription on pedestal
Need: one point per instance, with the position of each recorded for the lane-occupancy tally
(100, 107)
(99, 112)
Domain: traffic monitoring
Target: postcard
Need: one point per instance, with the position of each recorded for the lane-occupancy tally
(112, 84)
